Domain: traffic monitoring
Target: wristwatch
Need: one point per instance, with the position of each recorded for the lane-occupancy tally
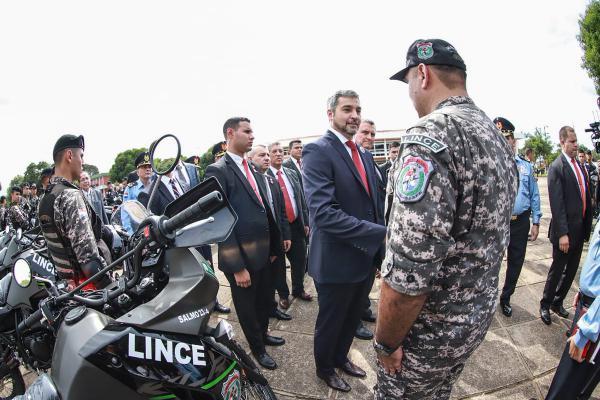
(382, 349)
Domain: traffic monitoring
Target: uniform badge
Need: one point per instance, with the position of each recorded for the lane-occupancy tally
(424, 50)
(146, 158)
(432, 144)
(413, 178)
(232, 388)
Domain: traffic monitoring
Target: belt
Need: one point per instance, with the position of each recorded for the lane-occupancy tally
(524, 213)
(586, 300)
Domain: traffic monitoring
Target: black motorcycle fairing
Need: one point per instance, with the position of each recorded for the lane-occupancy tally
(157, 364)
(4, 288)
(183, 306)
(40, 263)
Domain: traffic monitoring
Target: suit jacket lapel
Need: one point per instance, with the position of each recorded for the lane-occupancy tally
(232, 165)
(341, 149)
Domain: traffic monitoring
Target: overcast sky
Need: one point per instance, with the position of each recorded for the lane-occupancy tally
(125, 72)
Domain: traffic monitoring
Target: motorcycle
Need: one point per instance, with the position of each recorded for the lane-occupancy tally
(163, 348)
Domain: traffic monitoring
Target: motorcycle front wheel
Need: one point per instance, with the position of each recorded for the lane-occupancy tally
(11, 383)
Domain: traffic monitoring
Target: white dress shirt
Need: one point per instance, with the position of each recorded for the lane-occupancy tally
(238, 161)
(296, 163)
(581, 173)
(288, 186)
(348, 149)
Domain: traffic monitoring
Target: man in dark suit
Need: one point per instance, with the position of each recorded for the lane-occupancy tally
(187, 175)
(346, 234)
(571, 207)
(365, 140)
(294, 161)
(93, 196)
(296, 214)
(247, 254)
(262, 161)
(393, 151)
(168, 190)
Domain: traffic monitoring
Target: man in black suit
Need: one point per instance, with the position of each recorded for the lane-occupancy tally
(571, 207)
(393, 151)
(294, 161)
(247, 254)
(262, 161)
(346, 231)
(168, 190)
(296, 214)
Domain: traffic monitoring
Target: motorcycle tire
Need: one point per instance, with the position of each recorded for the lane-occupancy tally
(252, 390)
(11, 383)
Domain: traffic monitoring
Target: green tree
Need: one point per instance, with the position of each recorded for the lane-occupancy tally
(124, 164)
(91, 169)
(205, 160)
(540, 142)
(589, 39)
(16, 181)
(33, 171)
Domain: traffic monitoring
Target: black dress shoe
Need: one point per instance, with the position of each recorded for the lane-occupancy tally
(335, 381)
(369, 316)
(545, 314)
(220, 308)
(506, 309)
(280, 315)
(353, 370)
(265, 361)
(273, 340)
(362, 332)
(560, 310)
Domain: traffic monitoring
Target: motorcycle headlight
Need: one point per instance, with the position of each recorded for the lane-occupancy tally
(22, 273)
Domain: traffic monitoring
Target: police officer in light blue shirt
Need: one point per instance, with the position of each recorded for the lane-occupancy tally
(578, 372)
(144, 172)
(527, 205)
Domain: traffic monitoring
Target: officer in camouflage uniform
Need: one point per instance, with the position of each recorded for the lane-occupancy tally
(34, 199)
(453, 185)
(17, 215)
(71, 228)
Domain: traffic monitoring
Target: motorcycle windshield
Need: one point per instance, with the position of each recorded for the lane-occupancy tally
(129, 215)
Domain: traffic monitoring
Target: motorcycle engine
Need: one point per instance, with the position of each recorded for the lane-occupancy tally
(40, 345)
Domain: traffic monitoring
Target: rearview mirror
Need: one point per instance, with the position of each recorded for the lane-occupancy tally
(164, 154)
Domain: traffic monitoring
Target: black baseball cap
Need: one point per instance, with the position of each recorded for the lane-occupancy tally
(68, 142)
(430, 52)
(16, 189)
(219, 149)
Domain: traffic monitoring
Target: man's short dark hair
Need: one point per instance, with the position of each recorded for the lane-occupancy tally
(333, 101)
(528, 151)
(450, 76)
(2, 199)
(589, 152)
(59, 156)
(395, 144)
(233, 123)
(581, 151)
(563, 133)
(292, 142)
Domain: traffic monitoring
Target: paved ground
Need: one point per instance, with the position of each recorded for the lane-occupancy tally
(516, 361)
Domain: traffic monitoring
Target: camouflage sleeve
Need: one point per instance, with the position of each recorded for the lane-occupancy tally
(73, 215)
(423, 211)
(18, 217)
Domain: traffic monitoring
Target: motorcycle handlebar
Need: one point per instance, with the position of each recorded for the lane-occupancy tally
(182, 218)
(30, 321)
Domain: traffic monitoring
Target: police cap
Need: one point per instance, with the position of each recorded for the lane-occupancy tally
(505, 126)
(219, 149)
(430, 52)
(193, 160)
(24, 185)
(68, 142)
(142, 159)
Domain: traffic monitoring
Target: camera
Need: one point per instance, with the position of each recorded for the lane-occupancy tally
(595, 130)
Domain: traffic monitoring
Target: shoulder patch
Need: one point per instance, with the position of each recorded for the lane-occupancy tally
(413, 178)
(432, 144)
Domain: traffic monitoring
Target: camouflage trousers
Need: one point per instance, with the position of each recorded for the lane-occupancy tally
(430, 367)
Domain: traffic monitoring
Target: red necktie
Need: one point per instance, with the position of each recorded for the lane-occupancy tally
(289, 209)
(580, 181)
(251, 181)
(358, 164)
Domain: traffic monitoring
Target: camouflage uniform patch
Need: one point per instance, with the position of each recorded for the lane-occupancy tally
(449, 244)
(18, 217)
